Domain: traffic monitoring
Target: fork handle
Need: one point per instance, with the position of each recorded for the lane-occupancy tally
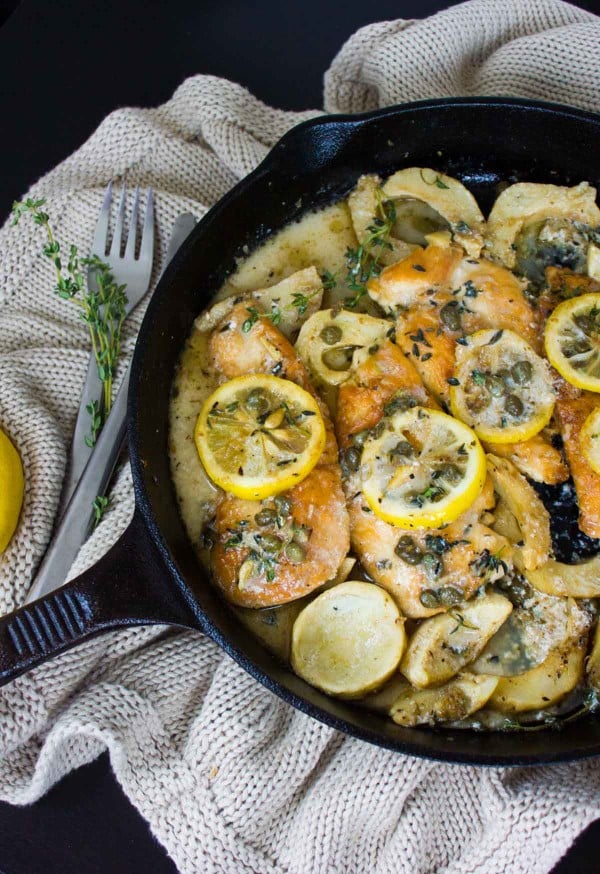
(80, 452)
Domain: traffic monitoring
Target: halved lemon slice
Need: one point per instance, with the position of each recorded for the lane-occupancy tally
(589, 440)
(572, 339)
(259, 435)
(11, 490)
(422, 469)
(501, 388)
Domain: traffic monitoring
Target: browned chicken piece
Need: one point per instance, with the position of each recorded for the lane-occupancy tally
(474, 295)
(562, 284)
(460, 556)
(536, 458)
(571, 413)
(314, 510)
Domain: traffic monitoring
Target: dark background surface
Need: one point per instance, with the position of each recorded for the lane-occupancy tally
(63, 66)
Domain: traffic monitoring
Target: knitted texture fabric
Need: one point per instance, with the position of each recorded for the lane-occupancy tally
(229, 777)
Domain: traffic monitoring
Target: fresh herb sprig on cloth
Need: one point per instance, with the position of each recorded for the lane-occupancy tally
(103, 309)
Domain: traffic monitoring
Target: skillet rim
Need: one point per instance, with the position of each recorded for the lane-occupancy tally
(415, 747)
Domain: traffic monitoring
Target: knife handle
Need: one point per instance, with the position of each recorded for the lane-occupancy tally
(80, 452)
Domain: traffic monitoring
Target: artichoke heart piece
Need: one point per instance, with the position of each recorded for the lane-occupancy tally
(349, 640)
(364, 203)
(544, 685)
(446, 197)
(532, 518)
(330, 340)
(534, 225)
(289, 303)
(455, 700)
(593, 662)
(568, 580)
(442, 645)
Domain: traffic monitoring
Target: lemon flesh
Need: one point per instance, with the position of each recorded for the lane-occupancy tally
(423, 470)
(572, 340)
(259, 435)
(501, 387)
(11, 490)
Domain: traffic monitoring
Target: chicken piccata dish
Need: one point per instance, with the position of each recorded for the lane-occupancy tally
(385, 443)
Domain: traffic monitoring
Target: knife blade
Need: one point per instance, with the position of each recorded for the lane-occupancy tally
(75, 523)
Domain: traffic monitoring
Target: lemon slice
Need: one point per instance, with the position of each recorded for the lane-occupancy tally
(11, 490)
(259, 435)
(572, 339)
(500, 387)
(422, 469)
(589, 440)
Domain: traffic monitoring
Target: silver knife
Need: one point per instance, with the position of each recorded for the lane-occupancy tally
(74, 526)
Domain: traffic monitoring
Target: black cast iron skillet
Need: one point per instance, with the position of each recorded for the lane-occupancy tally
(152, 575)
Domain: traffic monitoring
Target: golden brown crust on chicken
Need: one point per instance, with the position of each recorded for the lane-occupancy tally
(571, 414)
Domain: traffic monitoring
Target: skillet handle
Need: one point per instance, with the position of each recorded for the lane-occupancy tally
(126, 587)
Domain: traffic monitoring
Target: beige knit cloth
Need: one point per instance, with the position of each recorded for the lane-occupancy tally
(230, 778)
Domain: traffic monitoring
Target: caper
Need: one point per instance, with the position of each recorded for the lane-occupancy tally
(331, 334)
(295, 553)
(359, 438)
(352, 458)
(257, 402)
(265, 517)
(429, 599)
(449, 596)
(408, 551)
(283, 506)
(432, 563)
(513, 405)
(450, 472)
(521, 372)
(339, 358)
(450, 316)
(496, 386)
(402, 449)
(302, 535)
(270, 544)
(505, 376)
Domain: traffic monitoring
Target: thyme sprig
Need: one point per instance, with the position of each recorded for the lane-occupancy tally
(364, 262)
(102, 308)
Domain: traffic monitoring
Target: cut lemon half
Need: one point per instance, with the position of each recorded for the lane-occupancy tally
(259, 435)
(422, 469)
(589, 440)
(572, 340)
(501, 388)
(11, 490)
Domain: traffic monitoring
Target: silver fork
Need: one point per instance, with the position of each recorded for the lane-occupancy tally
(131, 271)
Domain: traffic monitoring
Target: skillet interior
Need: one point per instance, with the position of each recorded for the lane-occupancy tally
(480, 141)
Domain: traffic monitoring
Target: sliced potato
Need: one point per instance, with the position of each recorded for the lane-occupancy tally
(568, 580)
(544, 685)
(330, 341)
(294, 299)
(455, 700)
(593, 661)
(505, 523)
(523, 502)
(383, 699)
(442, 645)
(448, 197)
(349, 640)
(364, 205)
(527, 203)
